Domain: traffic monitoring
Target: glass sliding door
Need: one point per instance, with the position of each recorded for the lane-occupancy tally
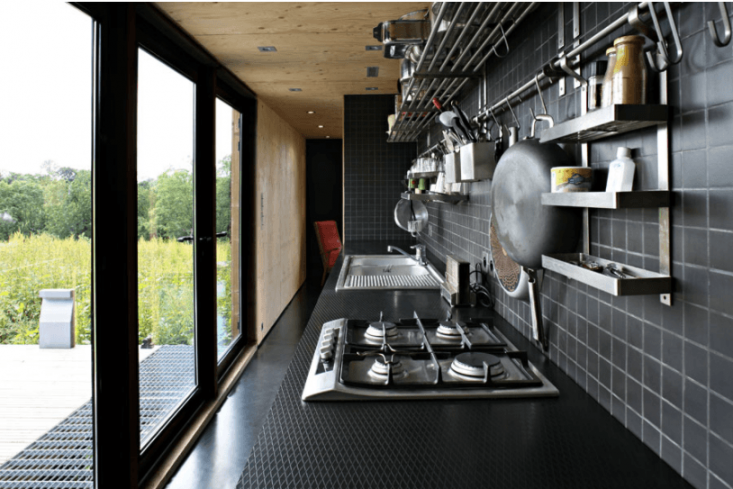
(46, 425)
(227, 227)
(165, 242)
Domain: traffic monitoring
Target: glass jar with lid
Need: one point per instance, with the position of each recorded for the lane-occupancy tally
(607, 88)
(629, 71)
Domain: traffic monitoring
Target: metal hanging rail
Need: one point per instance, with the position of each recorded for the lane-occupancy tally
(413, 115)
(505, 102)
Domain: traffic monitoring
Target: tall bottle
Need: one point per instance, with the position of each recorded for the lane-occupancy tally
(629, 71)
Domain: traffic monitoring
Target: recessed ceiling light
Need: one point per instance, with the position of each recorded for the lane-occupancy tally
(295, 89)
(328, 137)
(311, 112)
(371, 88)
(372, 71)
(373, 48)
(267, 49)
(320, 127)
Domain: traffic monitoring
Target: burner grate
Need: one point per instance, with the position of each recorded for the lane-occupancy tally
(62, 458)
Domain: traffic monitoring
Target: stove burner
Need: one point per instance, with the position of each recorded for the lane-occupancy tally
(377, 329)
(448, 330)
(380, 366)
(471, 364)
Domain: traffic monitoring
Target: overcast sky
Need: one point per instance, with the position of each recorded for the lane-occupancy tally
(45, 96)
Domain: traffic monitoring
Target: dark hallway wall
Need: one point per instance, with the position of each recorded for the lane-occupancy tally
(324, 191)
(374, 170)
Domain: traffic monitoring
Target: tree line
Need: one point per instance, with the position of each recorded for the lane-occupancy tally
(58, 202)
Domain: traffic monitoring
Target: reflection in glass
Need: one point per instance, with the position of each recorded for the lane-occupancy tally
(227, 226)
(165, 242)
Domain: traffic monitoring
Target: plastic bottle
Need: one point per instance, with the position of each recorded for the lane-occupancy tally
(621, 172)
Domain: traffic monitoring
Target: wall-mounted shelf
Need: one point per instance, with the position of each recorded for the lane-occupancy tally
(642, 282)
(609, 200)
(424, 174)
(606, 122)
(431, 197)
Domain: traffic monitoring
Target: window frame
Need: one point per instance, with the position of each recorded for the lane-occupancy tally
(119, 30)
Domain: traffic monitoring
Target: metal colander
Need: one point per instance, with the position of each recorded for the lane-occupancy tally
(507, 271)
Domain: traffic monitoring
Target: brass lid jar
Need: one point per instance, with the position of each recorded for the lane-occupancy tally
(607, 88)
(629, 71)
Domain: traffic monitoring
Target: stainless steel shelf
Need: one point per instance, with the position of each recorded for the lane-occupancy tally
(425, 174)
(609, 200)
(606, 122)
(643, 282)
(430, 197)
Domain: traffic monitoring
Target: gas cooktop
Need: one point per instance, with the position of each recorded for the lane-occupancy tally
(419, 359)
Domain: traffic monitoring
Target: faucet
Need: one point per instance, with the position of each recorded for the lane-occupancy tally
(419, 257)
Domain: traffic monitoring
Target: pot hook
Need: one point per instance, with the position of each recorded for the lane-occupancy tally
(726, 27)
(539, 117)
(506, 43)
(661, 60)
(506, 100)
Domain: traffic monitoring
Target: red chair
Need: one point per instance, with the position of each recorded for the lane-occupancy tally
(329, 243)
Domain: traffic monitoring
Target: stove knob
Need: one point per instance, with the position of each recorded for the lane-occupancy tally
(325, 348)
(326, 355)
(328, 336)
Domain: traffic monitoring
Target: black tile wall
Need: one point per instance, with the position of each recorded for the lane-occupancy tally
(663, 372)
(374, 170)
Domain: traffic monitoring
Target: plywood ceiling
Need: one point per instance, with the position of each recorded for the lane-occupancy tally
(320, 49)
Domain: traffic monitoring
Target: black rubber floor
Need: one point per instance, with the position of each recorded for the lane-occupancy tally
(220, 454)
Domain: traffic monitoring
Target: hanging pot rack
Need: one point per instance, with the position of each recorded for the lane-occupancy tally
(414, 115)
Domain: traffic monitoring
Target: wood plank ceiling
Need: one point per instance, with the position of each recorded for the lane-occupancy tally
(321, 49)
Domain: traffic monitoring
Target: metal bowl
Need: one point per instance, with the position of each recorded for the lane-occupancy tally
(411, 215)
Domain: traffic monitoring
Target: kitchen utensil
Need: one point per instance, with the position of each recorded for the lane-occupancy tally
(411, 215)
(464, 120)
(525, 228)
(450, 120)
(509, 273)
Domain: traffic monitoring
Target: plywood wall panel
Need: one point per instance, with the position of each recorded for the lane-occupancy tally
(280, 229)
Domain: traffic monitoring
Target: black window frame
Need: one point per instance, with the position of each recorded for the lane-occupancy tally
(119, 30)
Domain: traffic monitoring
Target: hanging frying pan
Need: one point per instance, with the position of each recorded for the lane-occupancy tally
(524, 227)
(512, 279)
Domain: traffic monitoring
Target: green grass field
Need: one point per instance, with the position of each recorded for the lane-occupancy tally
(29, 264)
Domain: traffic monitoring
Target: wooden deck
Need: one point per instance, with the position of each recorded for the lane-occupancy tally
(39, 389)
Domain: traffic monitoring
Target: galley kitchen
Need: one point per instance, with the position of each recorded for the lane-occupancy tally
(423, 245)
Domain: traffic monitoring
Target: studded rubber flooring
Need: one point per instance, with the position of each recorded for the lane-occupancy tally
(62, 458)
(568, 442)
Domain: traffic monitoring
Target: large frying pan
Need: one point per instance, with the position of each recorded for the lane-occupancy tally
(525, 228)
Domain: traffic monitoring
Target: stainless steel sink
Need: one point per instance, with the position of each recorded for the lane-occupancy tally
(386, 272)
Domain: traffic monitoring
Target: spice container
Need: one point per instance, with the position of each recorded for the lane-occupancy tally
(607, 89)
(629, 72)
(596, 72)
